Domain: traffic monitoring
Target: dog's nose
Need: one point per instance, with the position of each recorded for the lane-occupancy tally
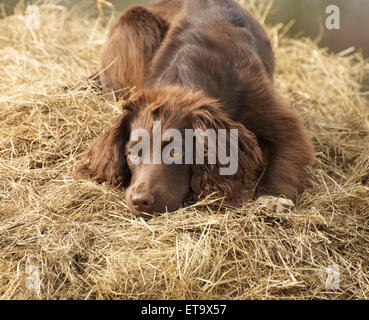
(143, 201)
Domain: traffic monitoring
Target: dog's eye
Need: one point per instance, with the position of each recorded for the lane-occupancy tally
(175, 153)
(133, 157)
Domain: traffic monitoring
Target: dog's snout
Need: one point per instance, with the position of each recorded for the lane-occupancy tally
(143, 201)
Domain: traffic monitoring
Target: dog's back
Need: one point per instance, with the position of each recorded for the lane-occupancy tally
(199, 11)
(146, 42)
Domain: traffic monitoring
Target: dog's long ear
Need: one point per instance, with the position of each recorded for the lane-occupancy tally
(207, 178)
(106, 160)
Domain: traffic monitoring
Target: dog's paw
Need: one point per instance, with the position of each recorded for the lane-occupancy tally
(277, 204)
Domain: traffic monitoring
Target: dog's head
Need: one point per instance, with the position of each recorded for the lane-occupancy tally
(171, 145)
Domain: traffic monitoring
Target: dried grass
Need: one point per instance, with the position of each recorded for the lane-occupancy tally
(88, 246)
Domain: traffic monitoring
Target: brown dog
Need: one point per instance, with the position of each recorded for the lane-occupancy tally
(197, 64)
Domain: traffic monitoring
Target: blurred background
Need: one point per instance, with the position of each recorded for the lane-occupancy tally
(308, 17)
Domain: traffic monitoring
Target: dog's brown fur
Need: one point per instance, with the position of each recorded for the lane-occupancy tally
(198, 64)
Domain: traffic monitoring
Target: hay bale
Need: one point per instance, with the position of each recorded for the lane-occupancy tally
(85, 243)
